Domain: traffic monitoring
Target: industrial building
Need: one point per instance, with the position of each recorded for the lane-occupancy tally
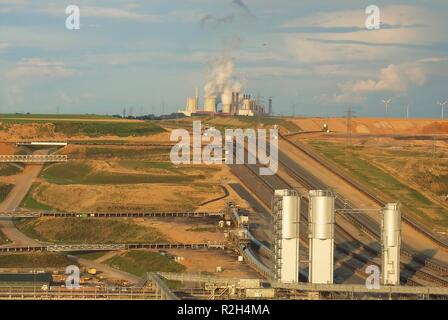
(237, 105)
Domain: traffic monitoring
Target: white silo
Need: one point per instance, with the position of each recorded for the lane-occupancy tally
(321, 236)
(391, 243)
(286, 210)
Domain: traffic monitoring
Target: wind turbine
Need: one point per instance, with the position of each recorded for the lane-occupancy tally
(442, 105)
(386, 103)
(407, 110)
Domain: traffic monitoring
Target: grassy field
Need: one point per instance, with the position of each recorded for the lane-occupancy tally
(357, 164)
(5, 189)
(54, 116)
(88, 230)
(35, 260)
(8, 170)
(90, 128)
(81, 173)
(242, 122)
(30, 203)
(90, 255)
(148, 153)
(139, 262)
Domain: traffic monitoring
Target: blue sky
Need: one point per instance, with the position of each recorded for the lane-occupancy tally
(316, 55)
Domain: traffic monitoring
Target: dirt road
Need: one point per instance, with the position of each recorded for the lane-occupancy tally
(23, 183)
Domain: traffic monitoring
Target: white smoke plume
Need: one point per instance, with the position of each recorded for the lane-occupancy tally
(221, 80)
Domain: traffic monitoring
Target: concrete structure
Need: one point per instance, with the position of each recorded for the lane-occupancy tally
(210, 104)
(321, 236)
(42, 143)
(33, 158)
(286, 210)
(192, 105)
(391, 243)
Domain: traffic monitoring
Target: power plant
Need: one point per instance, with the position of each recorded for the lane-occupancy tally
(234, 105)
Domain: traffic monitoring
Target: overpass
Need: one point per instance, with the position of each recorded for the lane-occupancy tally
(33, 158)
(41, 143)
(110, 247)
(283, 289)
(37, 214)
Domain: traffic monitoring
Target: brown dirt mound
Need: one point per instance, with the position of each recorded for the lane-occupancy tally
(375, 126)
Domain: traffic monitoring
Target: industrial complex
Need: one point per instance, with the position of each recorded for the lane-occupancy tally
(236, 105)
(160, 168)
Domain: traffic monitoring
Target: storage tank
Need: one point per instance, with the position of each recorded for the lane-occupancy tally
(321, 214)
(391, 244)
(286, 211)
(290, 218)
(321, 236)
(391, 224)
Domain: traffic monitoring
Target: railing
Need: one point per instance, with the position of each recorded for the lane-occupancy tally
(33, 158)
(111, 247)
(37, 214)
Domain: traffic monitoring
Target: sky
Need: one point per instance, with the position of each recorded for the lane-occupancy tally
(313, 57)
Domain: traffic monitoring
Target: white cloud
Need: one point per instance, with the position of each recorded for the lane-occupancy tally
(107, 12)
(393, 78)
(40, 68)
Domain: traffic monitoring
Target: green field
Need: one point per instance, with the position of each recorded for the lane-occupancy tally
(5, 189)
(90, 255)
(35, 260)
(355, 164)
(88, 230)
(91, 128)
(54, 116)
(221, 123)
(81, 173)
(30, 203)
(139, 262)
(128, 153)
(8, 170)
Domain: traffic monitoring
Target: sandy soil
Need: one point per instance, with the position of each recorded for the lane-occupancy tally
(186, 230)
(375, 126)
(207, 260)
(135, 197)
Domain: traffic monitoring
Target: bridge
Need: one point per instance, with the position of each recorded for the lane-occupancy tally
(33, 158)
(37, 214)
(347, 290)
(110, 247)
(42, 143)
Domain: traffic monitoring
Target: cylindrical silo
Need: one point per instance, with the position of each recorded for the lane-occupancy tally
(290, 218)
(391, 243)
(286, 211)
(321, 236)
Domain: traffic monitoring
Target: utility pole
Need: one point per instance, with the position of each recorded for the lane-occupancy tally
(349, 114)
(386, 103)
(442, 105)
